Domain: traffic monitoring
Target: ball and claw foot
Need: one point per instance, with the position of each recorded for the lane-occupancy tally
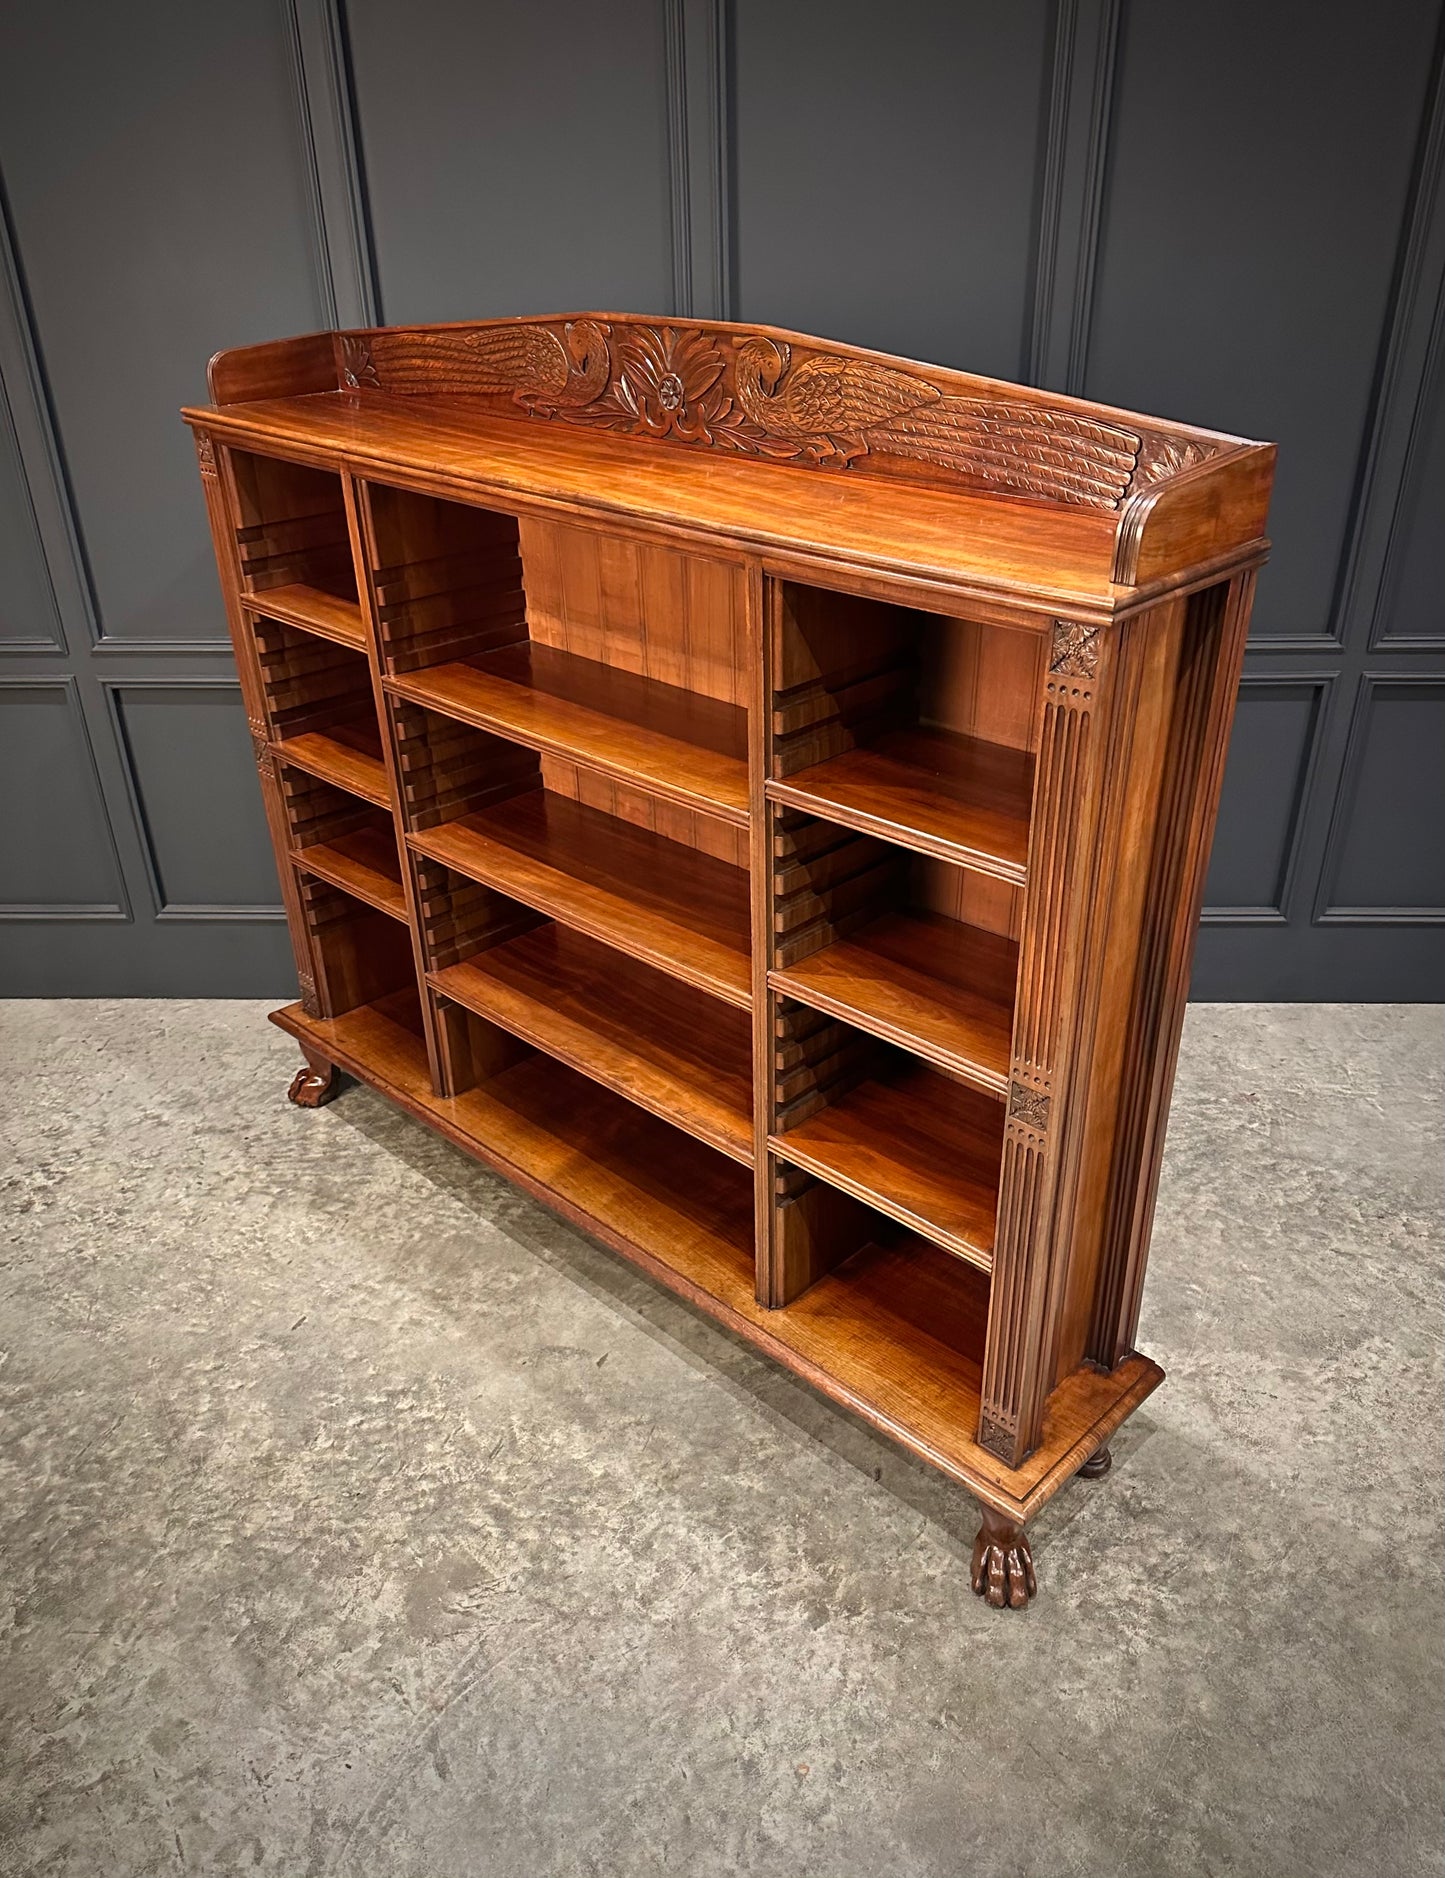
(1003, 1565)
(1097, 1465)
(314, 1083)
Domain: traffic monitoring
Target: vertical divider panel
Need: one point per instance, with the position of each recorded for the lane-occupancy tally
(223, 515)
(358, 520)
(760, 598)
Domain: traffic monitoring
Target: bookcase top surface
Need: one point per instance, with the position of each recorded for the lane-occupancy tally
(771, 441)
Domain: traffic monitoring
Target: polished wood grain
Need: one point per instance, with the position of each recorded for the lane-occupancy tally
(920, 1148)
(673, 1050)
(688, 748)
(941, 989)
(364, 862)
(729, 393)
(756, 794)
(1039, 559)
(348, 755)
(931, 790)
(895, 1337)
(333, 616)
(681, 911)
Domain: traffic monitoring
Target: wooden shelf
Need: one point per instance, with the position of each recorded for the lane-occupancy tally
(330, 615)
(920, 1148)
(669, 905)
(935, 791)
(665, 1046)
(938, 987)
(629, 1177)
(348, 755)
(894, 1333)
(363, 862)
(689, 748)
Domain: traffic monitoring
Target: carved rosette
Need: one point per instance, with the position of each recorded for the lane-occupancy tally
(1074, 652)
(741, 391)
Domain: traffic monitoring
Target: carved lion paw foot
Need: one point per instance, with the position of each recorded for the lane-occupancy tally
(313, 1084)
(1003, 1565)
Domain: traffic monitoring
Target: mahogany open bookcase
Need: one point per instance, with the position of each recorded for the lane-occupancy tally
(755, 794)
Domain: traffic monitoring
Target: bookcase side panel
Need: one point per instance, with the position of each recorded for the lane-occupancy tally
(221, 514)
(1216, 627)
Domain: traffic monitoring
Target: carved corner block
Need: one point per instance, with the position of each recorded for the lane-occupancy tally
(1074, 651)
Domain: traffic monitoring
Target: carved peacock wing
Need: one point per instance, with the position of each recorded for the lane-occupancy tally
(528, 361)
(821, 397)
(1017, 446)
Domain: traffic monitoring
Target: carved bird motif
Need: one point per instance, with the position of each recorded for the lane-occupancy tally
(541, 370)
(847, 406)
(822, 397)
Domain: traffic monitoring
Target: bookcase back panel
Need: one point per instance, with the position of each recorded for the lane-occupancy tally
(983, 681)
(676, 618)
(644, 810)
(291, 526)
(975, 899)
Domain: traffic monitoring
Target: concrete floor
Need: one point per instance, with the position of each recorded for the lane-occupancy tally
(356, 1517)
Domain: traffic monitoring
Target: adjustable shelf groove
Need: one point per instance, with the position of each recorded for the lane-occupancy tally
(755, 794)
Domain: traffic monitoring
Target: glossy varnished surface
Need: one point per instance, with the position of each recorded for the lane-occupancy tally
(956, 797)
(980, 540)
(331, 615)
(915, 1145)
(893, 1336)
(934, 985)
(678, 909)
(672, 1049)
(690, 749)
(348, 755)
(363, 862)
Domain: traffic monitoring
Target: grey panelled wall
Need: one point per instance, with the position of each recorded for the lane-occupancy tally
(1233, 215)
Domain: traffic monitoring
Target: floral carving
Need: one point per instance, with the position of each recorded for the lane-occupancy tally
(672, 383)
(754, 394)
(1075, 652)
(1030, 1106)
(358, 367)
(205, 454)
(1162, 457)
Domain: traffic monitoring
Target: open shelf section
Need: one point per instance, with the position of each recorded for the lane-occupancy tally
(345, 841)
(906, 724)
(334, 616)
(363, 862)
(687, 747)
(879, 1125)
(663, 902)
(934, 985)
(895, 1333)
(665, 1046)
(944, 794)
(360, 952)
(292, 533)
(348, 755)
(640, 1185)
(909, 948)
